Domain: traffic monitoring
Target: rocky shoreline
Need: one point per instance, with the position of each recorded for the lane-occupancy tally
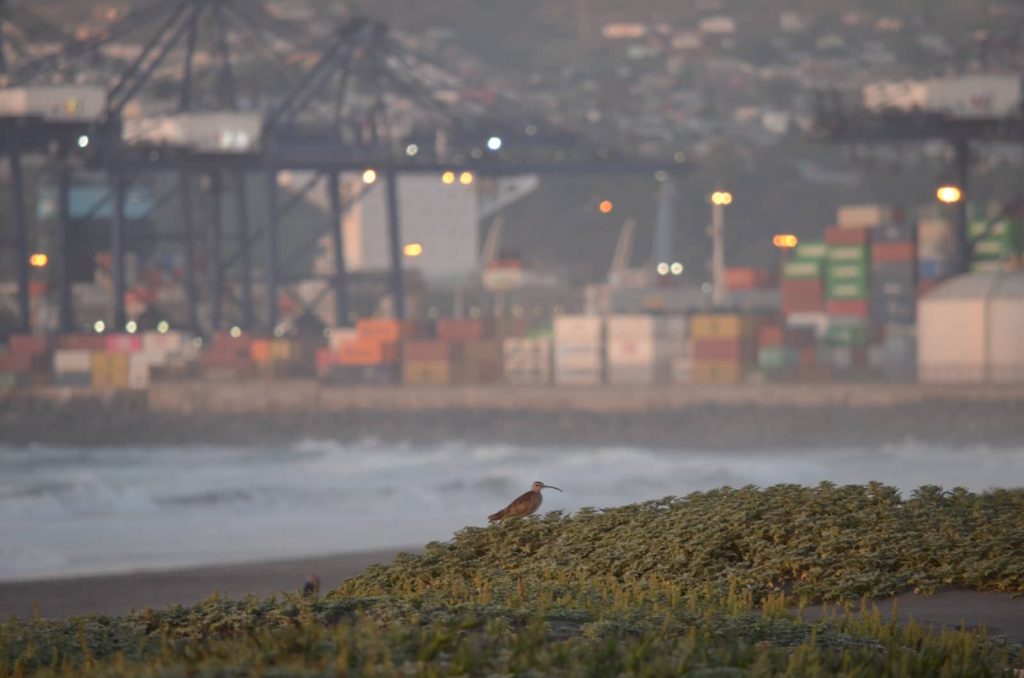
(709, 423)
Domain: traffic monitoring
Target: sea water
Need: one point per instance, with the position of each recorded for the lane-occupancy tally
(67, 511)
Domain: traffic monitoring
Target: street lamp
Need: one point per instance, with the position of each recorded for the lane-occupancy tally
(605, 206)
(38, 260)
(466, 178)
(413, 249)
(448, 177)
(369, 176)
(949, 194)
(785, 241)
(719, 199)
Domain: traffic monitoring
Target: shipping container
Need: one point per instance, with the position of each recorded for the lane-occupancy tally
(846, 254)
(719, 326)
(386, 330)
(67, 361)
(836, 236)
(801, 296)
(365, 352)
(428, 373)
(893, 252)
(810, 250)
(579, 329)
(965, 97)
(866, 216)
(857, 308)
(738, 349)
(578, 376)
(110, 370)
(802, 270)
(461, 329)
(429, 351)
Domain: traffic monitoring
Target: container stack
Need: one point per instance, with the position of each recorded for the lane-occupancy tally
(25, 359)
(803, 279)
(722, 347)
(72, 367)
(228, 357)
(579, 350)
(430, 363)
(642, 348)
(993, 243)
(777, 360)
(111, 371)
(847, 293)
(277, 358)
(527, 360)
(369, 355)
(476, 353)
(131, 346)
(893, 275)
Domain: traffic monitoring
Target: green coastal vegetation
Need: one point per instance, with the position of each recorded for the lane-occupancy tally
(711, 584)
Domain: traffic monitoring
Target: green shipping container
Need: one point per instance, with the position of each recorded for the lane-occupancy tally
(849, 253)
(777, 357)
(810, 251)
(802, 270)
(852, 272)
(992, 248)
(1004, 229)
(842, 290)
(848, 335)
(992, 266)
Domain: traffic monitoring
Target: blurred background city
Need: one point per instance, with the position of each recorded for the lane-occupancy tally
(250, 223)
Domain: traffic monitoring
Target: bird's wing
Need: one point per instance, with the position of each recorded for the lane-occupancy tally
(521, 505)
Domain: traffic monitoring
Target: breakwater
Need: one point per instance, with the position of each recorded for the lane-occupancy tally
(724, 417)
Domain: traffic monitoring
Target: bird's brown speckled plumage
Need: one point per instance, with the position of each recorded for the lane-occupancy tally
(524, 505)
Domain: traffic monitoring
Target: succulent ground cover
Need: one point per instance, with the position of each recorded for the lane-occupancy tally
(701, 585)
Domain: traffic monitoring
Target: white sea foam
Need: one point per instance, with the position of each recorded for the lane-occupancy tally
(73, 511)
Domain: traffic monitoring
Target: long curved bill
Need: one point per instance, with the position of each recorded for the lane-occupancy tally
(551, 487)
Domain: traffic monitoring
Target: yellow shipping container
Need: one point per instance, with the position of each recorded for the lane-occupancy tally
(716, 372)
(110, 370)
(427, 373)
(720, 326)
(282, 350)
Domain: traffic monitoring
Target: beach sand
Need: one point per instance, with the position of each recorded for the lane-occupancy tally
(121, 593)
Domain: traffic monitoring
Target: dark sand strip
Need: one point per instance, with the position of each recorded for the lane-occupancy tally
(999, 613)
(121, 593)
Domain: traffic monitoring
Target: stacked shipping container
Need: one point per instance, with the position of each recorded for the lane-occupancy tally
(722, 347)
(642, 348)
(579, 350)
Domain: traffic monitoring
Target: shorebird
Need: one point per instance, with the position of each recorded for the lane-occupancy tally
(526, 504)
(312, 586)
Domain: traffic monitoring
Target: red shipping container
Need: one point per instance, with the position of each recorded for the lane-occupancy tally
(745, 278)
(224, 342)
(460, 329)
(770, 335)
(859, 308)
(83, 342)
(16, 362)
(29, 344)
(800, 296)
(428, 351)
(325, 359)
(847, 236)
(123, 343)
(720, 349)
(807, 356)
(893, 252)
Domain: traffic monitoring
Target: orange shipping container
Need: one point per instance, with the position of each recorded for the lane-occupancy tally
(362, 352)
(893, 252)
(460, 329)
(386, 330)
(259, 350)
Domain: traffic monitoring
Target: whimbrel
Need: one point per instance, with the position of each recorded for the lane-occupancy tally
(526, 504)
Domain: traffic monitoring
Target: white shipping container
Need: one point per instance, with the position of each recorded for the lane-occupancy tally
(72, 361)
(162, 344)
(817, 320)
(579, 329)
(138, 371)
(863, 216)
(589, 356)
(934, 239)
(638, 351)
(650, 327)
(61, 102)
